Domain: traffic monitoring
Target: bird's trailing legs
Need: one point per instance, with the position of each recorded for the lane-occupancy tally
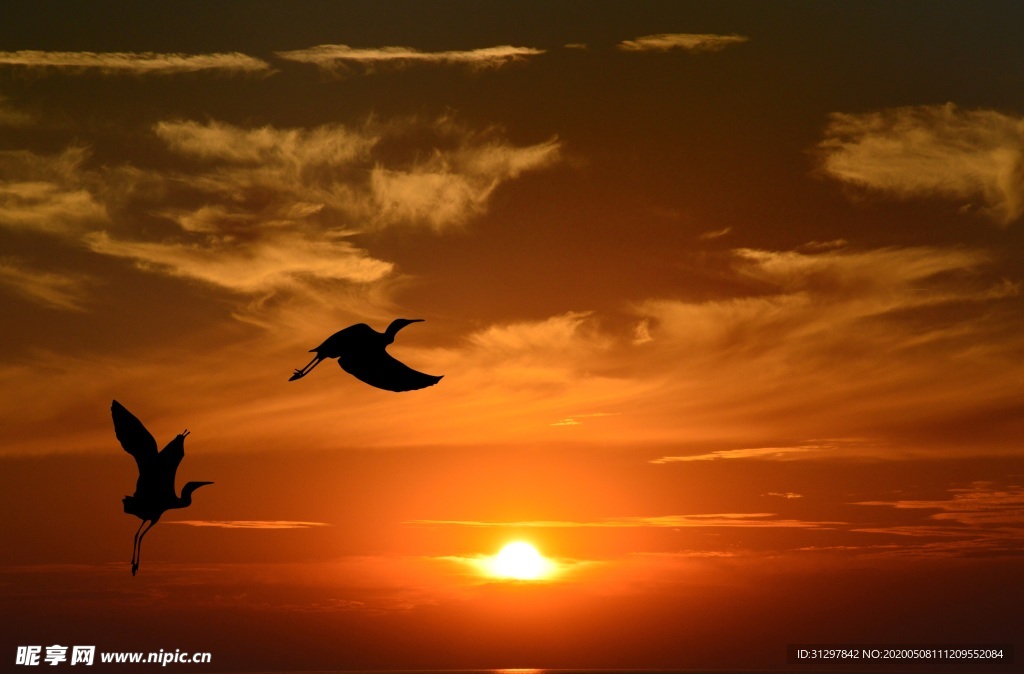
(299, 374)
(137, 546)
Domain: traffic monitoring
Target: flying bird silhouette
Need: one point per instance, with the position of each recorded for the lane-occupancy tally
(154, 491)
(361, 351)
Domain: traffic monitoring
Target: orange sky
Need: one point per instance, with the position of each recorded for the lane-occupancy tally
(726, 297)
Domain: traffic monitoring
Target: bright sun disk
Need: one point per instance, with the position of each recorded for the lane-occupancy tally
(521, 561)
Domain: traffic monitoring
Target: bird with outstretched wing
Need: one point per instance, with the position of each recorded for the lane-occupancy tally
(362, 352)
(154, 490)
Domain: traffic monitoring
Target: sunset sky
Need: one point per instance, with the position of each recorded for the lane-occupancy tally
(727, 297)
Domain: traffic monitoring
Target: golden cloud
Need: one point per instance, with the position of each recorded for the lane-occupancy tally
(337, 57)
(691, 42)
(975, 157)
(730, 520)
(133, 62)
(52, 289)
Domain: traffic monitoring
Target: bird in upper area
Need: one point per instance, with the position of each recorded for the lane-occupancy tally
(361, 351)
(154, 491)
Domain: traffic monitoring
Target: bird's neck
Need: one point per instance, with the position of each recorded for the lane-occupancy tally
(185, 500)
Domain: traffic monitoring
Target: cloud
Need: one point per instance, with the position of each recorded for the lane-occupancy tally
(519, 377)
(810, 297)
(975, 157)
(273, 262)
(864, 273)
(251, 524)
(557, 333)
(133, 62)
(691, 42)
(267, 239)
(542, 359)
(280, 203)
(774, 453)
(341, 57)
(784, 494)
(642, 332)
(980, 504)
(731, 520)
(46, 207)
(833, 342)
(10, 116)
(47, 194)
(52, 289)
(451, 187)
(716, 234)
(574, 420)
(834, 347)
(983, 519)
(329, 145)
(336, 166)
(275, 207)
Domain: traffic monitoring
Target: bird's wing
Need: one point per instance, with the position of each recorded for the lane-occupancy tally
(381, 370)
(132, 435)
(168, 460)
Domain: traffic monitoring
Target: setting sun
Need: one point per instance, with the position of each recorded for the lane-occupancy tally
(520, 561)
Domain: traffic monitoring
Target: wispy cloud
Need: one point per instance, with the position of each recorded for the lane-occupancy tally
(784, 494)
(278, 206)
(133, 62)
(574, 420)
(554, 333)
(972, 156)
(46, 207)
(251, 524)
(838, 334)
(336, 167)
(538, 356)
(451, 187)
(819, 246)
(741, 520)
(329, 145)
(716, 234)
(981, 519)
(642, 331)
(52, 289)
(834, 345)
(981, 504)
(816, 293)
(47, 193)
(274, 262)
(10, 116)
(339, 57)
(275, 198)
(243, 247)
(691, 42)
(772, 453)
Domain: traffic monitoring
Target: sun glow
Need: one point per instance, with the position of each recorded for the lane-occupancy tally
(520, 561)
